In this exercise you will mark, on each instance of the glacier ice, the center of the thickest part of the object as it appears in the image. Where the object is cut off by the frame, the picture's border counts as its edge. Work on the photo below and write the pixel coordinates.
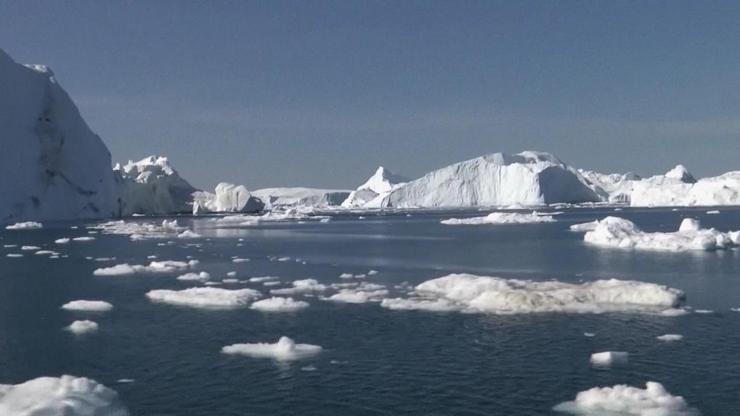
(205, 297)
(300, 197)
(624, 400)
(226, 198)
(373, 193)
(501, 218)
(285, 349)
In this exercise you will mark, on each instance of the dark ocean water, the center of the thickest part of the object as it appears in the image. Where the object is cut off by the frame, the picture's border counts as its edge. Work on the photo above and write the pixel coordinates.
(375, 361)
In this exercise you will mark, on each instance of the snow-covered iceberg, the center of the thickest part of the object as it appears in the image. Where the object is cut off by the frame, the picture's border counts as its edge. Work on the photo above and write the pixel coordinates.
(300, 197)
(499, 179)
(373, 193)
(495, 295)
(65, 395)
(284, 350)
(53, 166)
(623, 400)
(226, 198)
(501, 218)
(618, 232)
(152, 186)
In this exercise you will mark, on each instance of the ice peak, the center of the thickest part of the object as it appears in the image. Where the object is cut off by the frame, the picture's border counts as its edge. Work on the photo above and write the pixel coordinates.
(383, 180)
(681, 173)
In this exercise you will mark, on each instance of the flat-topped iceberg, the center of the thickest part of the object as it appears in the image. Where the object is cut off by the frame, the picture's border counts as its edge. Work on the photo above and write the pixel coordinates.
(623, 400)
(501, 218)
(284, 350)
(300, 197)
(65, 395)
(205, 297)
(499, 179)
(226, 198)
(53, 166)
(496, 295)
(622, 233)
(374, 192)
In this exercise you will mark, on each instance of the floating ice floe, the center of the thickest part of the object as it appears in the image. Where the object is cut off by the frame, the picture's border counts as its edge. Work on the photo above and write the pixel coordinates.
(239, 260)
(299, 287)
(83, 239)
(258, 279)
(46, 253)
(30, 248)
(189, 234)
(291, 214)
(609, 358)
(88, 306)
(713, 212)
(484, 294)
(284, 350)
(277, 304)
(82, 327)
(62, 240)
(623, 400)
(362, 293)
(137, 230)
(501, 218)
(205, 297)
(670, 337)
(192, 276)
(65, 395)
(621, 233)
(165, 266)
(14, 255)
(27, 225)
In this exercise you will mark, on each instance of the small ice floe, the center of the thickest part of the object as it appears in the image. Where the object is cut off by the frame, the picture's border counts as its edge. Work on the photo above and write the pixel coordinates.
(346, 276)
(46, 253)
(735, 309)
(670, 337)
(362, 293)
(230, 281)
(239, 260)
(14, 255)
(205, 297)
(258, 279)
(589, 334)
(372, 272)
(231, 274)
(653, 400)
(192, 276)
(83, 239)
(65, 395)
(64, 240)
(189, 234)
(104, 259)
(30, 248)
(82, 327)
(88, 306)
(713, 212)
(609, 358)
(284, 350)
(271, 283)
(585, 226)
(28, 225)
(10, 245)
(283, 259)
(620, 233)
(501, 218)
(155, 267)
(300, 287)
(703, 311)
(125, 380)
(278, 304)
(141, 230)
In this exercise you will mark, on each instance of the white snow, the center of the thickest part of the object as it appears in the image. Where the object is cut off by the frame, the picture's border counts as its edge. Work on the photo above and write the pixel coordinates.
(227, 198)
(284, 350)
(670, 337)
(60, 396)
(623, 400)
(165, 266)
(28, 225)
(54, 167)
(609, 358)
(82, 327)
(277, 304)
(501, 218)
(621, 233)
(300, 197)
(495, 295)
(300, 287)
(88, 305)
(527, 178)
(192, 276)
(205, 297)
(152, 186)
(374, 192)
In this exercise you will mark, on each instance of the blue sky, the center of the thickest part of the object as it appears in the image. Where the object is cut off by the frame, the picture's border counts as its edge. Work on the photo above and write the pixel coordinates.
(319, 93)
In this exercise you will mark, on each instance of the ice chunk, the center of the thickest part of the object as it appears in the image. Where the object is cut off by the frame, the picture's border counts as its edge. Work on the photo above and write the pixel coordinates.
(301, 286)
(300, 197)
(62, 241)
(202, 276)
(205, 297)
(501, 218)
(284, 350)
(82, 327)
(83, 239)
(227, 198)
(277, 304)
(165, 266)
(609, 358)
(27, 225)
(625, 400)
(189, 234)
(88, 305)
(142, 230)
(258, 279)
(65, 395)
(362, 293)
(374, 191)
(670, 337)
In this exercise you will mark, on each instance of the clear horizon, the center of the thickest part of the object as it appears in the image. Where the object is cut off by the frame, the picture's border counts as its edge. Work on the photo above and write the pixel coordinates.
(291, 94)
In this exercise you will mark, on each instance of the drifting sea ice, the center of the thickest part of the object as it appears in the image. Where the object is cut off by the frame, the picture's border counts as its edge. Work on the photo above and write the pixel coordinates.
(28, 225)
(501, 218)
(142, 230)
(300, 286)
(609, 358)
(88, 306)
(202, 276)
(82, 327)
(623, 400)
(484, 294)
(284, 350)
(165, 266)
(65, 395)
(277, 304)
(362, 293)
(205, 297)
(670, 337)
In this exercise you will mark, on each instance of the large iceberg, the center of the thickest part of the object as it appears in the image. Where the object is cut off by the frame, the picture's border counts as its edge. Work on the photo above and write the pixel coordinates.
(653, 400)
(152, 186)
(300, 197)
(622, 233)
(374, 192)
(53, 166)
(227, 198)
(65, 395)
(499, 179)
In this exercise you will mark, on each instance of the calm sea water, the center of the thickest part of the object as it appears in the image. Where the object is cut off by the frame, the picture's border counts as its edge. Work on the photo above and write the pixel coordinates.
(375, 361)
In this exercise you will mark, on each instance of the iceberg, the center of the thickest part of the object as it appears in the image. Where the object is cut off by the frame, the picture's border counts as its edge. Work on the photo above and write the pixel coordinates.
(54, 167)
(501, 218)
(205, 297)
(499, 179)
(284, 350)
(66, 395)
(373, 193)
(227, 198)
(300, 197)
(623, 400)
(496, 295)
(277, 304)
(152, 186)
(621, 233)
